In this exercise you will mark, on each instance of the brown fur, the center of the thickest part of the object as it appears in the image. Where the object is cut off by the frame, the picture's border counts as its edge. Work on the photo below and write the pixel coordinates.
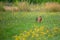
(39, 19)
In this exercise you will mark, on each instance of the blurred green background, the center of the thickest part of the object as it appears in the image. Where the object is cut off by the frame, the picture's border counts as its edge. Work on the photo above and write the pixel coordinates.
(17, 16)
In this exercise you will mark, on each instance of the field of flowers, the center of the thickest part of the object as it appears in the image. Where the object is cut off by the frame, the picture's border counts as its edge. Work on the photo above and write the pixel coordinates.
(23, 26)
(39, 33)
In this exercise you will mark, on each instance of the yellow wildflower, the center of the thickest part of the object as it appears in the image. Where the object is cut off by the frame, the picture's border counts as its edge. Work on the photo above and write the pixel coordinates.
(36, 29)
(26, 34)
(47, 30)
(30, 30)
(41, 28)
(16, 37)
(33, 34)
(23, 38)
(42, 33)
(37, 35)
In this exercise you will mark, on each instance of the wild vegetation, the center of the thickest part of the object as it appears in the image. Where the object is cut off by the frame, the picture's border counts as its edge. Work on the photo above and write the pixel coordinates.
(18, 20)
(13, 26)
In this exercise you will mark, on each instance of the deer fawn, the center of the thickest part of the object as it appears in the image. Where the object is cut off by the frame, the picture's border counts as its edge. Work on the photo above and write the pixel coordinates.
(39, 19)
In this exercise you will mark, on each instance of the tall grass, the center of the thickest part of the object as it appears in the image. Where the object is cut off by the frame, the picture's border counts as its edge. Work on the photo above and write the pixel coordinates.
(51, 6)
(25, 6)
(32, 1)
(1, 6)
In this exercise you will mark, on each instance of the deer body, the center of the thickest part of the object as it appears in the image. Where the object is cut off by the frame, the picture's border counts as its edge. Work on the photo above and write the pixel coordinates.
(39, 19)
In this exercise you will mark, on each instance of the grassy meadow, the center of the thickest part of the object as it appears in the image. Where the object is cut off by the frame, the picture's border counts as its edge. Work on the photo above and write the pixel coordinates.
(23, 26)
